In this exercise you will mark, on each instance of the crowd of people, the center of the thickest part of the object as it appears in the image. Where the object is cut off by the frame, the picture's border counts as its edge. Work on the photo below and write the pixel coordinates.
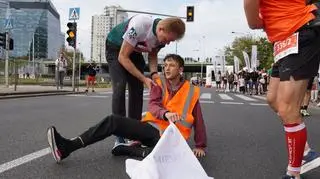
(245, 81)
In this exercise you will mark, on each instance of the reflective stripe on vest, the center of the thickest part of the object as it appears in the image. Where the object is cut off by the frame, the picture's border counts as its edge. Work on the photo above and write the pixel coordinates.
(186, 104)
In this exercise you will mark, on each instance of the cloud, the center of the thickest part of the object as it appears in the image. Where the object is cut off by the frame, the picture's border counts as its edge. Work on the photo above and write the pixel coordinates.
(210, 31)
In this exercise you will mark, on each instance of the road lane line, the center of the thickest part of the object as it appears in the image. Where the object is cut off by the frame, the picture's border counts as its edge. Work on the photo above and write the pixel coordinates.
(245, 97)
(258, 104)
(260, 97)
(206, 102)
(225, 97)
(205, 96)
(226, 102)
(25, 159)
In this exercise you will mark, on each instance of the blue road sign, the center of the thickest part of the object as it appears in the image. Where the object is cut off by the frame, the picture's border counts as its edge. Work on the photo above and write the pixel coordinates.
(8, 24)
(74, 13)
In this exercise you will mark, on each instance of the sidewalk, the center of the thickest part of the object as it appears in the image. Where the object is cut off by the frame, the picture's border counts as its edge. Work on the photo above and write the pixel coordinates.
(37, 90)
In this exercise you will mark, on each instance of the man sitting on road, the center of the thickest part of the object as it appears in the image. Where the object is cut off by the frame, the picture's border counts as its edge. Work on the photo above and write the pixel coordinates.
(173, 99)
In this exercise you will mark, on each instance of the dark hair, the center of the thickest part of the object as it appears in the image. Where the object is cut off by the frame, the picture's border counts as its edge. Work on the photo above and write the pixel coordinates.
(176, 58)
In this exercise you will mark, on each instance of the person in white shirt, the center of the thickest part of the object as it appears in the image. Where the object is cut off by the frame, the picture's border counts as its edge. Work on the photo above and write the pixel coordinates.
(61, 69)
(242, 84)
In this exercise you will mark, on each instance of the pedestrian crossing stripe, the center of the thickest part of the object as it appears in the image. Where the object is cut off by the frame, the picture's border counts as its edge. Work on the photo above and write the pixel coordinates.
(206, 102)
(245, 97)
(205, 98)
(225, 97)
(228, 102)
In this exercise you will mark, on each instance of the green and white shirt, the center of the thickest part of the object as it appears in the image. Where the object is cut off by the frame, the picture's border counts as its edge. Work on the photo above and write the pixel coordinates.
(139, 31)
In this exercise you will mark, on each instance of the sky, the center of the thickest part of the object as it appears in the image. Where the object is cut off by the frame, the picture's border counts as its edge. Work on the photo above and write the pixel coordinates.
(214, 22)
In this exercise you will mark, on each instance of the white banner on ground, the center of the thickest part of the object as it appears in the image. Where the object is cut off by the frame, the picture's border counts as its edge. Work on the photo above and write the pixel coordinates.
(171, 158)
(246, 59)
(254, 53)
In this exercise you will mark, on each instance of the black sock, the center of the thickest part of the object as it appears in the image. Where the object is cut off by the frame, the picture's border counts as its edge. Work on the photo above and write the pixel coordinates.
(306, 107)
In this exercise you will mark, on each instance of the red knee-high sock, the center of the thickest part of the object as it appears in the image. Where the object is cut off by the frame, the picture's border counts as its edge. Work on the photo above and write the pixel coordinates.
(296, 136)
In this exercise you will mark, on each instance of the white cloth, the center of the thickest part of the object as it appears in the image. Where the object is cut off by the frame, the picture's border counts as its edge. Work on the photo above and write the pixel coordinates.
(171, 158)
(140, 33)
(241, 82)
(61, 64)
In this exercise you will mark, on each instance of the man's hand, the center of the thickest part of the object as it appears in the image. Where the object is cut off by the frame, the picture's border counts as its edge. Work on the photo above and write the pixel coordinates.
(155, 76)
(173, 117)
(199, 152)
(149, 82)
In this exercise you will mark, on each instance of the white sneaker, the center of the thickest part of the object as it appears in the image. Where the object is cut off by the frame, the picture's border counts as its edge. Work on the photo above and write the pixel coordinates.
(318, 104)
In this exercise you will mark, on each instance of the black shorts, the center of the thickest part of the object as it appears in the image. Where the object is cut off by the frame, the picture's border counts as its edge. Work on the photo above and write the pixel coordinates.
(303, 65)
(310, 82)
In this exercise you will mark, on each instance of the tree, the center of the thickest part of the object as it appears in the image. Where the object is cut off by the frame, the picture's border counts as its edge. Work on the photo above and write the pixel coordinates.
(245, 43)
(68, 54)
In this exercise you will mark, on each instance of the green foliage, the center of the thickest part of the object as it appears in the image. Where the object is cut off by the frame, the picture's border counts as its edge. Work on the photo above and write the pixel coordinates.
(68, 54)
(245, 43)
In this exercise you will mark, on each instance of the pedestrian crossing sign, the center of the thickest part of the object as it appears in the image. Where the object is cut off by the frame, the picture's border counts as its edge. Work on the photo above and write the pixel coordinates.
(8, 24)
(74, 13)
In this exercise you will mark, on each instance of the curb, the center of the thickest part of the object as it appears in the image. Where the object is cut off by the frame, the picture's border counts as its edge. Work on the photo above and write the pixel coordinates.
(36, 94)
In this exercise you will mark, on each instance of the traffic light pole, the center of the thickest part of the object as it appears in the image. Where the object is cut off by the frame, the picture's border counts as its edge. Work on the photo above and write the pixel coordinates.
(6, 68)
(74, 64)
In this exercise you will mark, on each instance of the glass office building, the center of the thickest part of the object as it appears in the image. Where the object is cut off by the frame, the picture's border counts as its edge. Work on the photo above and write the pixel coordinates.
(33, 21)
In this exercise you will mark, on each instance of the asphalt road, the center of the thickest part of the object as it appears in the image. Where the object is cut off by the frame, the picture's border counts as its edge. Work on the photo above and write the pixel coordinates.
(245, 138)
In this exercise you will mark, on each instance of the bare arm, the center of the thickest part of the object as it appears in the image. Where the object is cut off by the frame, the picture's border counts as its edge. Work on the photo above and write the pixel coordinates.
(153, 60)
(124, 60)
(251, 8)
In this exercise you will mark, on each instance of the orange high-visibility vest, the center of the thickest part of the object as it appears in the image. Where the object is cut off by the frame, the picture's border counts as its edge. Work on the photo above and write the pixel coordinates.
(182, 103)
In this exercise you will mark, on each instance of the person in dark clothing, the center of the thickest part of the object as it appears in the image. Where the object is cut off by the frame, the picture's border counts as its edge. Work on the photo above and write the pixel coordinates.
(91, 78)
(149, 129)
(254, 77)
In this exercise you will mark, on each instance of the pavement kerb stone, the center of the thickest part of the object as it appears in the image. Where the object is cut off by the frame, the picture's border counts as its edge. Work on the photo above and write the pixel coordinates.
(36, 94)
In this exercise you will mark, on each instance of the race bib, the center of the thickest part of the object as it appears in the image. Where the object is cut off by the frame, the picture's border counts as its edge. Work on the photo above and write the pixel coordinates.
(286, 47)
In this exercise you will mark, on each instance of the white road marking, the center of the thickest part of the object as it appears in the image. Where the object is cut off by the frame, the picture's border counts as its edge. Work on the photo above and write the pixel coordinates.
(91, 96)
(106, 92)
(225, 97)
(22, 160)
(226, 102)
(258, 104)
(206, 102)
(245, 97)
(205, 96)
(96, 96)
(260, 97)
(27, 158)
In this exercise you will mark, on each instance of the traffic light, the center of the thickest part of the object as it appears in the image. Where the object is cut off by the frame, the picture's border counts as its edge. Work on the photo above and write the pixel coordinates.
(72, 34)
(3, 39)
(190, 13)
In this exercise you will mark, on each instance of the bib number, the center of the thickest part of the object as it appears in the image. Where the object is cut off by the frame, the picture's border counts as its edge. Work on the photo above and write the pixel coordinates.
(286, 47)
